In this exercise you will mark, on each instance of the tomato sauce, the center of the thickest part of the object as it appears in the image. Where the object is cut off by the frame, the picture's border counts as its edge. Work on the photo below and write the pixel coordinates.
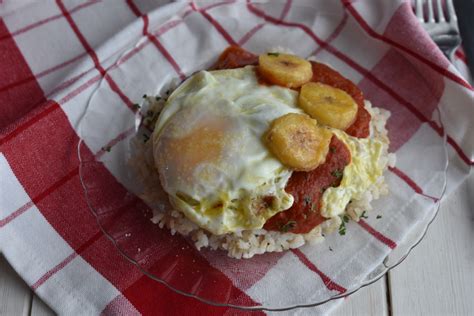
(235, 57)
(307, 188)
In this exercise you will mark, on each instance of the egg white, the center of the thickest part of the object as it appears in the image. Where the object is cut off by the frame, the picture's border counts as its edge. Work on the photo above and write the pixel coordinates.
(209, 152)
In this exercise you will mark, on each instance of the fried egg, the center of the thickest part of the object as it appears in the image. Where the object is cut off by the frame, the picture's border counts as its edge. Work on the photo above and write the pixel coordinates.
(208, 150)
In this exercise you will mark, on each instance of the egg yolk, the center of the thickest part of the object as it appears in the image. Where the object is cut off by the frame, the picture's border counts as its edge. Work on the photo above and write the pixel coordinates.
(203, 144)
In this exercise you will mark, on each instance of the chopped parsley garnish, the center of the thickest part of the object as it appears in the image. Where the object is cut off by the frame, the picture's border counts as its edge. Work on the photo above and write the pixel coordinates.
(337, 173)
(307, 200)
(378, 217)
(273, 54)
(167, 92)
(144, 96)
(363, 215)
(332, 149)
(288, 226)
(136, 106)
(157, 98)
(342, 227)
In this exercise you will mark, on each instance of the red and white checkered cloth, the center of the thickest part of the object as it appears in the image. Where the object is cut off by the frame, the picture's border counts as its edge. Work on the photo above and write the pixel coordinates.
(53, 56)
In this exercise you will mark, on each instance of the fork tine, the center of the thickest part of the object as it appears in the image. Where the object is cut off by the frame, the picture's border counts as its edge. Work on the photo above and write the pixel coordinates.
(430, 11)
(419, 10)
(451, 13)
(439, 7)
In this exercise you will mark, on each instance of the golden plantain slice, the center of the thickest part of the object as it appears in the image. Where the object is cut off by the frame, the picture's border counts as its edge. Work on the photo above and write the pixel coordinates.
(298, 142)
(330, 106)
(284, 70)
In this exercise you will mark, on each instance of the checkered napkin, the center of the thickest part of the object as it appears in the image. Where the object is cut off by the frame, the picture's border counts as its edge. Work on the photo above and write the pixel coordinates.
(58, 57)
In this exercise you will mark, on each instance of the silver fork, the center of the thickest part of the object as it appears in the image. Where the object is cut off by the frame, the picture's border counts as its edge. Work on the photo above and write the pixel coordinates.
(443, 29)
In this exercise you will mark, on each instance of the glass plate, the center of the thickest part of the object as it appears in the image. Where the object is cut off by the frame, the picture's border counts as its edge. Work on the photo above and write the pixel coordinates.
(211, 276)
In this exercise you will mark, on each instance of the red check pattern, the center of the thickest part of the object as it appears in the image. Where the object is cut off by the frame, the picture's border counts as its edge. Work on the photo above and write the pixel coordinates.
(38, 140)
(16, 99)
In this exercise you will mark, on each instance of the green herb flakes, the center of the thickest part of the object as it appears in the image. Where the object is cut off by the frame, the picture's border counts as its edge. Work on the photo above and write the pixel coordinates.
(332, 149)
(307, 200)
(273, 54)
(337, 173)
(342, 229)
(364, 215)
(378, 217)
(288, 226)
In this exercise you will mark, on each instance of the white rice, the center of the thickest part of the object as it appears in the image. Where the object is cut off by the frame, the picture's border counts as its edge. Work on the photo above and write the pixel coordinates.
(247, 243)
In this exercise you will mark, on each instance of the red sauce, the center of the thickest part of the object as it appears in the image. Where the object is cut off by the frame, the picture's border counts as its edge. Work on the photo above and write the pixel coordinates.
(235, 57)
(307, 189)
